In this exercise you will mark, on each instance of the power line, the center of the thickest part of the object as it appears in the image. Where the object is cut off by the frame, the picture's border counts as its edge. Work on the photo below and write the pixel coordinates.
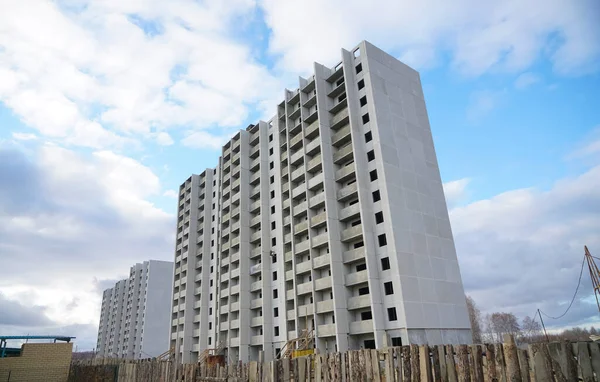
(574, 295)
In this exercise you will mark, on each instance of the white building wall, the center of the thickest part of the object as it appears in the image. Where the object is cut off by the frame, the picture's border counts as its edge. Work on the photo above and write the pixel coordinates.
(291, 236)
(134, 306)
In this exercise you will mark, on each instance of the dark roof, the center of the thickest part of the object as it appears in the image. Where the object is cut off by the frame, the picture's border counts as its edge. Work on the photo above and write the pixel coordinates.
(57, 338)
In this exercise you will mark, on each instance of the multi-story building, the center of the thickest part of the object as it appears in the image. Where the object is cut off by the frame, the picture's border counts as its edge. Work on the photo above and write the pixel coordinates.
(329, 218)
(134, 318)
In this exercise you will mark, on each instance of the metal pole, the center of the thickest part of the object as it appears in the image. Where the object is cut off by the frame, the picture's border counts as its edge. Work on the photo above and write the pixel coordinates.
(543, 326)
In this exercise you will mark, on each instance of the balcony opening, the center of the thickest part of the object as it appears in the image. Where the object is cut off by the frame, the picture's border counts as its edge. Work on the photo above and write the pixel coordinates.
(382, 240)
(363, 101)
(361, 84)
(385, 263)
(376, 196)
(389, 288)
(358, 68)
(392, 316)
(379, 217)
(369, 344)
(373, 175)
(371, 155)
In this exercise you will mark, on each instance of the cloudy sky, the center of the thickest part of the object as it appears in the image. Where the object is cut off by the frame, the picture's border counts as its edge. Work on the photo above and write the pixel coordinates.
(107, 106)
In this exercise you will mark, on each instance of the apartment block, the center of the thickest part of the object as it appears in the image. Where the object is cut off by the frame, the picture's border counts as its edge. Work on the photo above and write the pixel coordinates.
(328, 219)
(134, 318)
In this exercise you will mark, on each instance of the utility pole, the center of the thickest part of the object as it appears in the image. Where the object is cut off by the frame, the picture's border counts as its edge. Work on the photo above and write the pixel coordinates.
(594, 274)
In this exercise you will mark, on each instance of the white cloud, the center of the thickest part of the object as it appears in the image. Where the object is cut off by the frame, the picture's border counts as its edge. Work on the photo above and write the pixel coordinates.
(202, 139)
(24, 136)
(75, 219)
(479, 36)
(171, 194)
(455, 191)
(105, 73)
(526, 79)
(164, 139)
(522, 250)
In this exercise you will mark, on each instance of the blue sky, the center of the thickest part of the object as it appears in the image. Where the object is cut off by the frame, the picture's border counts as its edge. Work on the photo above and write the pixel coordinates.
(108, 107)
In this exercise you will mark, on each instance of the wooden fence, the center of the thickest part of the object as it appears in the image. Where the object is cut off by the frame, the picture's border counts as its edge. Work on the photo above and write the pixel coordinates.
(449, 363)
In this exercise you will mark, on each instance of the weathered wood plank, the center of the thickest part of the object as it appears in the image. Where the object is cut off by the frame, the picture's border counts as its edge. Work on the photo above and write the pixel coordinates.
(389, 365)
(318, 368)
(511, 357)
(450, 364)
(585, 363)
(286, 369)
(500, 362)
(375, 366)
(424, 363)
(355, 366)
(542, 363)
(441, 350)
(477, 364)
(524, 365)
(490, 360)
(415, 364)
(253, 371)
(464, 370)
(345, 372)
(398, 364)
(595, 357)
(301, 369)
(435, 364)
(406, 367)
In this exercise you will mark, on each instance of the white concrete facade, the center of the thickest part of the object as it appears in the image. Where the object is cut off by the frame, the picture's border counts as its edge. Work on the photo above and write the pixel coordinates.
(330, 216)
(134, 318)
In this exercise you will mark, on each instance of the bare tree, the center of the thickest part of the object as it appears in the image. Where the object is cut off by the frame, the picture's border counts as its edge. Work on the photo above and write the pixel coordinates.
(501, 323)
(475, 317)
(530, 329)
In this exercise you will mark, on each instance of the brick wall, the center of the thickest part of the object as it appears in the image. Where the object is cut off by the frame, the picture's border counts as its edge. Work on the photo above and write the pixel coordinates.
(48, 362)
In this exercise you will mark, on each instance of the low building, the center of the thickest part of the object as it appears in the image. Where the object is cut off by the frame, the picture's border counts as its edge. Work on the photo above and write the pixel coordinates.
(43, 362)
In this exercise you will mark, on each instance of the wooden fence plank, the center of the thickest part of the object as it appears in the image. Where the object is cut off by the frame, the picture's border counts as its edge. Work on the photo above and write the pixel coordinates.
(513, 370)
(415, 364)
(367, 364)
(389, 365)
(524, 365)
(345, 372)
(301, 369)
(318, 367)
(595, 356)
(406, 369)
(286, 370)
(435, 364)
(253, 372)
(477, 366)
(450, 364)
(490, 360)
(398, 364)
(542, 364)
(441, 350)
(355, 366)
(375, 366)
(585, 363)
(464, 370)
(500, 362)
(424, 363)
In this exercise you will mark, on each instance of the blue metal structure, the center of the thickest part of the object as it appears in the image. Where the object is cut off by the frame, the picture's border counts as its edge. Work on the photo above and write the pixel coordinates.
(3, 340)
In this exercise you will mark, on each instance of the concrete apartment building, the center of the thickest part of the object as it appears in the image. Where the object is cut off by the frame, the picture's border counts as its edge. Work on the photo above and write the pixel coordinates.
(134, 318)
(330, 217)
